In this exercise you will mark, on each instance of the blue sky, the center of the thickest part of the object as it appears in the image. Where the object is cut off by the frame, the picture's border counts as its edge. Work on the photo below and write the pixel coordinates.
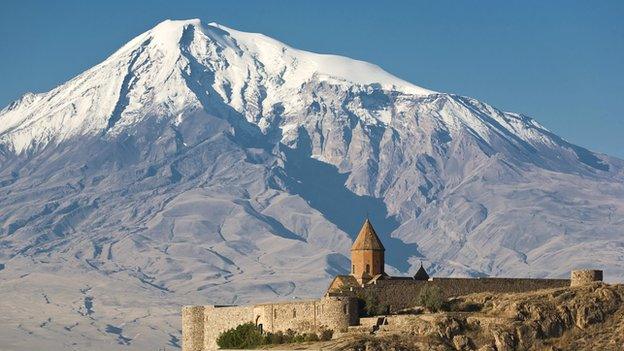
(561, 62)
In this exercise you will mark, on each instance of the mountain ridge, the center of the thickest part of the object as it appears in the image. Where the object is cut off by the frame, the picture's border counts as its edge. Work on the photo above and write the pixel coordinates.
(204, 167)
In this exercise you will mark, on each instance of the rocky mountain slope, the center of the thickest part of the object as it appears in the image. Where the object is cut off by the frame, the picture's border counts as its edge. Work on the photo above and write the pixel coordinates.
(200, 164)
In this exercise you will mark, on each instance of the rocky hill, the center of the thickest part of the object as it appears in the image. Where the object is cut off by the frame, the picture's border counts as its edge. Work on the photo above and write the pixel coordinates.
(581, 318)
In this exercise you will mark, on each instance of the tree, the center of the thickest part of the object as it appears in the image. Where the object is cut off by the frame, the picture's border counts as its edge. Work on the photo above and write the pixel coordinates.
(430, 297)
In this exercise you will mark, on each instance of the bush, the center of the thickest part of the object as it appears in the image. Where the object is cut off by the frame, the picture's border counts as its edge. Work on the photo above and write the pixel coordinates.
(274, 338)
(247, 336)
(369, 304)
(244, 336)
(310, 337)
(289, 336)
(431, 298)
(326, 334)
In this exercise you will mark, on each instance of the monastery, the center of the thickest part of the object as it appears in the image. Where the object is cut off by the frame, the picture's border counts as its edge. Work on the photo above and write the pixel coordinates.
(339, 308)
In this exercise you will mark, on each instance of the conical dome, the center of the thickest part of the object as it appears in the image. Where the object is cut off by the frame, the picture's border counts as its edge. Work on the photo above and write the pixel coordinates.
(421, 274)
(367, 239)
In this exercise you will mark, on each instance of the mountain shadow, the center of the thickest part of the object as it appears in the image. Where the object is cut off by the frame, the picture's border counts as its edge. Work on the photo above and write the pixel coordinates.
(323, 187)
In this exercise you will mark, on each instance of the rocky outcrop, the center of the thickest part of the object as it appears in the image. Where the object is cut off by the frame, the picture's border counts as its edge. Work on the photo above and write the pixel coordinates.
(589, 317)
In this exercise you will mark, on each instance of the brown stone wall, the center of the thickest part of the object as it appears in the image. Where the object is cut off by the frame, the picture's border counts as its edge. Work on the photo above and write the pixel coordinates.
(201, 325)
(301, 316)
(373, 258)
(219, 319)
(403, 293)
(192, 328)
(587, 276)
(338, 313)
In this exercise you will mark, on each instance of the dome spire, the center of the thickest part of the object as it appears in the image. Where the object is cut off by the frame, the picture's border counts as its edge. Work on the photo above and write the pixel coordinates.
(367, 238)
(421, 274)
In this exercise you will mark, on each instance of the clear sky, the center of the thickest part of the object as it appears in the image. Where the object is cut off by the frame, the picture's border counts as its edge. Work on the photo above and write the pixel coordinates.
(561, 62)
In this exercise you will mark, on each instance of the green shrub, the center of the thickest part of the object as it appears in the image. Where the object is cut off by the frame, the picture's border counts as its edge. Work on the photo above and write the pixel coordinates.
(326, 334)
(310, 337)
(244, 336)
(274, 338)
(431, 298)
(369, 304)
(289, 336)
(248, 336)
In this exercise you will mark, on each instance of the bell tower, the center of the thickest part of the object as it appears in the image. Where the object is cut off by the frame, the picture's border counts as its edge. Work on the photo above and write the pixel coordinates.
(367, 254)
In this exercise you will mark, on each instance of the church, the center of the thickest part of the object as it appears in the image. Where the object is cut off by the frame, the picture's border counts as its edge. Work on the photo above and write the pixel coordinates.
(341, 305)
(367, 263)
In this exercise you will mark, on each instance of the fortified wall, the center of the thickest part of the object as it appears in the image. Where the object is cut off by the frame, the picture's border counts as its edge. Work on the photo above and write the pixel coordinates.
(201, 325)
(398, 293)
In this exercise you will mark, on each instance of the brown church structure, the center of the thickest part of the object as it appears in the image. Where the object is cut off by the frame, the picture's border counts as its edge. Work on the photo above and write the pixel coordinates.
(367, 255)
(396, 293)
(340, 307)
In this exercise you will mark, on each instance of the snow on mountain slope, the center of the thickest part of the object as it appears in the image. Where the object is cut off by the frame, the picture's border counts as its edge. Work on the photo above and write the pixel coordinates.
(199, 164)
(152, 69)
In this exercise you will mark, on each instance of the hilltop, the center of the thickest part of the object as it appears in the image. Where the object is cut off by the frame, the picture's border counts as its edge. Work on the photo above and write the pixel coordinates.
(579, 318)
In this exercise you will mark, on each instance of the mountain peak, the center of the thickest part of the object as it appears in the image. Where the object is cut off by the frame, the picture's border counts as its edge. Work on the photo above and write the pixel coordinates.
(198, 161)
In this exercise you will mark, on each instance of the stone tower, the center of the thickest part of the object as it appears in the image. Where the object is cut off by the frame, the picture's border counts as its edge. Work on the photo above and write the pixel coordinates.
(367, 254)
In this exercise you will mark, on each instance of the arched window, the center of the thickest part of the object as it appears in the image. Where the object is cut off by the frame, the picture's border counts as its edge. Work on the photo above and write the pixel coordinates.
(367, 268)
(294, 313)
(353, 269)
(344, 309)
(274, 314)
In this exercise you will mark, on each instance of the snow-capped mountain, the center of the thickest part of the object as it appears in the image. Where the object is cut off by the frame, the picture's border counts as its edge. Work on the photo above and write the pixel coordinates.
(200, 164)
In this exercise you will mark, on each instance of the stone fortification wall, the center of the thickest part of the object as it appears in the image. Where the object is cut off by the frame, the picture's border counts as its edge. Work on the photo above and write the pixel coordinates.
(338, 313)
(302, 316)
(193, 328)
(219, 319)
(587, 276)
(403, 293)
(201, 325)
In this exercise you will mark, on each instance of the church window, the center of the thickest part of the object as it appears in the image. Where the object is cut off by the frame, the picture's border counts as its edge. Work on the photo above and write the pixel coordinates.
(367, 268)
(344, 309)
(275, 314)
(294, 313)
(353, 269)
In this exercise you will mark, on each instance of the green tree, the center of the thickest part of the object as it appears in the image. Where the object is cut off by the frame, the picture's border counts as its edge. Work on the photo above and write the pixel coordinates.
(430, 297)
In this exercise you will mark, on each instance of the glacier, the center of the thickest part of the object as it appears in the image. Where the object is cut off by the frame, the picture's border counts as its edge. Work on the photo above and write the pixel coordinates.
(200, 164)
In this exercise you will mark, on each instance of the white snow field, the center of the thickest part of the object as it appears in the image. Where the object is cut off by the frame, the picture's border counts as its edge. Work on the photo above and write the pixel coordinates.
(200, 164)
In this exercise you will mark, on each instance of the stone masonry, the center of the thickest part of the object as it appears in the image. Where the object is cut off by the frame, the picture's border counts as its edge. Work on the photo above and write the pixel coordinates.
(202, 325)
(587, 276)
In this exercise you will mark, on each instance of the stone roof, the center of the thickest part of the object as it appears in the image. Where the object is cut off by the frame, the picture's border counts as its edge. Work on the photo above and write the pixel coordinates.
(367, 239)
(342, 282)
(421, 274)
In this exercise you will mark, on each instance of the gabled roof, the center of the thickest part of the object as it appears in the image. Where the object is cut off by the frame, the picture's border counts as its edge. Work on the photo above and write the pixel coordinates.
(421, 274)
(367, 239)
(342, 282)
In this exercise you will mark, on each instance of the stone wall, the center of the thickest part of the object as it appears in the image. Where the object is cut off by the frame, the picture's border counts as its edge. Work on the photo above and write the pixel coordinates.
(193, 328)
(403, 293)
(302, 316)
(338, 313)
(202, 325)
(219, 319)
(587, 276)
